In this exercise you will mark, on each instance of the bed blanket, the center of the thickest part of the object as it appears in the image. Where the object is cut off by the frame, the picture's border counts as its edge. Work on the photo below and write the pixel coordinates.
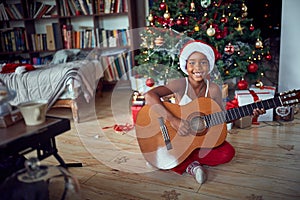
(49, 81)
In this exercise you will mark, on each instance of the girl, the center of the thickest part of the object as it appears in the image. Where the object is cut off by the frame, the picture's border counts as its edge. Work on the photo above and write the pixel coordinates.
(197, 60)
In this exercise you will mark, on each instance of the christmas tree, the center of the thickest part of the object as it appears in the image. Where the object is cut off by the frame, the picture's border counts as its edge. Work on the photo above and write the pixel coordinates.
(222, 23)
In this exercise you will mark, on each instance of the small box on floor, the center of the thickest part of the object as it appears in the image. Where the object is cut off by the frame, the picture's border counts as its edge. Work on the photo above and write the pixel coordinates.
(10, 118)
(243, 122)
(284, 113)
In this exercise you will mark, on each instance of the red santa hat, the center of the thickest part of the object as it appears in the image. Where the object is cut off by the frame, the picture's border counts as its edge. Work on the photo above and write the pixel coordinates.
(197, 46)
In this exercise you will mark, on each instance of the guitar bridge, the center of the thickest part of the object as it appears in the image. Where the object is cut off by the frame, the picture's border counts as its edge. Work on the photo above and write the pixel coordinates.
(165, 133)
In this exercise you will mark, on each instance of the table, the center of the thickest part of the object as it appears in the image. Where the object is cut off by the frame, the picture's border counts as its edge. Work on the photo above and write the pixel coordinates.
(21, 139)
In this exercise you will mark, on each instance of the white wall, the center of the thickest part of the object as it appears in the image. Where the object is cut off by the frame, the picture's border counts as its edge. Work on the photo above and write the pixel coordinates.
(289, 65)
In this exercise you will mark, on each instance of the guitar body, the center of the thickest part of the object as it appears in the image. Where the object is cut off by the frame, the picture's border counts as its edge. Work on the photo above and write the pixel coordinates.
(153, 145)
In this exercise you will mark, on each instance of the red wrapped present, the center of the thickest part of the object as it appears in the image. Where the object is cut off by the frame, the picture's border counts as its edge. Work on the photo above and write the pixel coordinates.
(134, 110)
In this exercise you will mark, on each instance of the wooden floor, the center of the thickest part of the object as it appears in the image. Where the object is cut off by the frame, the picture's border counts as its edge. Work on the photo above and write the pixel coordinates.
(266, 165)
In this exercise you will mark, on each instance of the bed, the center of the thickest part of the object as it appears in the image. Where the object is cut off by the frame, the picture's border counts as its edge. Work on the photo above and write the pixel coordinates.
(62, 82)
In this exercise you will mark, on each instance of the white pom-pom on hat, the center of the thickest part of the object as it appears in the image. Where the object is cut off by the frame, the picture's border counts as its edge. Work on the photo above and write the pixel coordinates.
(197, 46)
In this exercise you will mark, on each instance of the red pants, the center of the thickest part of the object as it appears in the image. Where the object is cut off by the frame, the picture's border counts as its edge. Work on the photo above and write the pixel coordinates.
(212, 157)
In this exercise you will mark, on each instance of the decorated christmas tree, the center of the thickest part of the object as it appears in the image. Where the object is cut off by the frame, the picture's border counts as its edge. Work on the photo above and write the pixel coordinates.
(221, 23)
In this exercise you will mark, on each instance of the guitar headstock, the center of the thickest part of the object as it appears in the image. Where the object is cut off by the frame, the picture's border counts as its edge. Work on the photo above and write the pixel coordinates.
(290, 97)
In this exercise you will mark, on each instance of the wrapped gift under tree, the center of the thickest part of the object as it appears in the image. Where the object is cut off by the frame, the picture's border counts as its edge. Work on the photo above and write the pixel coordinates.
(252, 95)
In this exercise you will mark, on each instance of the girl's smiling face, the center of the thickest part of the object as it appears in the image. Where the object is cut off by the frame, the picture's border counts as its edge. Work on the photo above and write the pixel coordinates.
(197, 66)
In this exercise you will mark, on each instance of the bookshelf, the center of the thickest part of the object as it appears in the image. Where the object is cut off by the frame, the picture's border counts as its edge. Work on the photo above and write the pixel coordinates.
(31, 29)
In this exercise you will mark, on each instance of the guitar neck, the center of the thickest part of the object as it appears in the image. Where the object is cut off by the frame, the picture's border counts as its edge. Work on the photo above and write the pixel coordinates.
(242, 111)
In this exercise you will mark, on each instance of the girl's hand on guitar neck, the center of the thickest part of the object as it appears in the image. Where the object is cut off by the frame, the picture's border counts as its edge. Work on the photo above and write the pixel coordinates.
(257, 112)
(182, 126)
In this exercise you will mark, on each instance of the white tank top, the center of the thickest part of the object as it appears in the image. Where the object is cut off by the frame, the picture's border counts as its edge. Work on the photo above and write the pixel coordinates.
(185, 98)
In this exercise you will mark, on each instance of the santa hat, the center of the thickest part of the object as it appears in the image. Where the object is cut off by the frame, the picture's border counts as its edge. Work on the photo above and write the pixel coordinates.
(197, 46)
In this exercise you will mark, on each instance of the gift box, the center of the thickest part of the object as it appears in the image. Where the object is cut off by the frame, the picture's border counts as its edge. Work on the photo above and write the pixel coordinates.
(243, 122)
(252, 95)
(10, 118)
(269, 89)
(224, 91)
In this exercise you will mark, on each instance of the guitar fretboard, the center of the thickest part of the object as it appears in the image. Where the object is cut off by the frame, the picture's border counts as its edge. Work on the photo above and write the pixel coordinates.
(242, 111)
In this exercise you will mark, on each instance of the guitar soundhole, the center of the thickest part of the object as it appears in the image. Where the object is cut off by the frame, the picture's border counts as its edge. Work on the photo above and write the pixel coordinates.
(197, 124)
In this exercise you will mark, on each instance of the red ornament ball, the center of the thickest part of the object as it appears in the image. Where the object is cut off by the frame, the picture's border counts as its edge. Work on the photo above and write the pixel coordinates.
(162, 6)
(179, 21)
(242, 84)
(150, 82)
(219, 35)
(224, 19)
(252, 67)
(251, 28)
(185, 21)
(268, 57)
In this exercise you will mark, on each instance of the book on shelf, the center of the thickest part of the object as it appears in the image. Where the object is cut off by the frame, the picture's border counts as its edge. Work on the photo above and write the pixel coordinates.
(64, 35)
(50, 38)
(36, 9)
(111, 6)
(58, 40)
(116, 67)
(42, 12)
(39, 41)
(112, 38)
(72, 7)
(84, 7)
(99, 5)
(3, 14)
(13, 39)
(107, 4)
(17, 9)
(9, 13)
(42, 60)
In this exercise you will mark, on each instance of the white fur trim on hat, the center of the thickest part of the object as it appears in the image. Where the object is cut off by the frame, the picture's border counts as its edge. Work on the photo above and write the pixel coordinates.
(196, 47)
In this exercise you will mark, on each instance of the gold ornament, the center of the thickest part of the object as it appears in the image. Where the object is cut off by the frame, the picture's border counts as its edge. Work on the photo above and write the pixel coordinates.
(258, 44)
(239, 28)
(211, 31)
(167, 14)
(150, 17)
(244, 14)
(193, 7)
(259, 84)
(244, 7)
(196, 28)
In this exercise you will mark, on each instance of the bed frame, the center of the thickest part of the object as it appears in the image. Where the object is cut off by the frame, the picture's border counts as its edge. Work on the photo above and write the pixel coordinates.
(68, 103)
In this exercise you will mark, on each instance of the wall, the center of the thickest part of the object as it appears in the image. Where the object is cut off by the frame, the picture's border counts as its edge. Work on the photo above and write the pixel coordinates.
(289, 73)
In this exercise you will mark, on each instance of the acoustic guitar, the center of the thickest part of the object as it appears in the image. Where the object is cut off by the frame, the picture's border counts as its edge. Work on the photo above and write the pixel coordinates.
(163, 148)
